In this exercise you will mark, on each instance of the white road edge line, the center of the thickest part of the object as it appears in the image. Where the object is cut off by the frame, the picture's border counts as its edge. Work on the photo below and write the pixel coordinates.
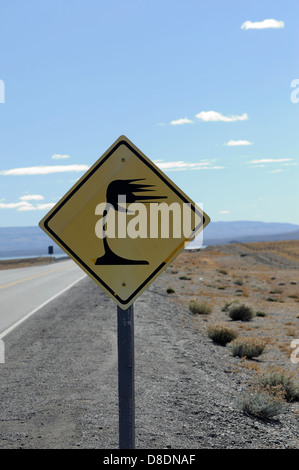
(19, 322)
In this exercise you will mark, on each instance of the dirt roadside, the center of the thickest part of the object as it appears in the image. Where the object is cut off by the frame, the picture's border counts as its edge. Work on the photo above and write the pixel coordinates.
(24, 262)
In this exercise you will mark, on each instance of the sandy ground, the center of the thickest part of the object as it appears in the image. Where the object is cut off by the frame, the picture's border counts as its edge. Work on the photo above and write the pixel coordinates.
(250, 273)
(24, 263)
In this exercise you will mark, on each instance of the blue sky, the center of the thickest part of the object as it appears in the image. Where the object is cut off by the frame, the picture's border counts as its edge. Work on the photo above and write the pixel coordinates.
(201, 87)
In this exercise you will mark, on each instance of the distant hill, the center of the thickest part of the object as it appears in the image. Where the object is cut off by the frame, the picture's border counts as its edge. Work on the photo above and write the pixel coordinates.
(25, 241)
(218, 233)
(32, 241)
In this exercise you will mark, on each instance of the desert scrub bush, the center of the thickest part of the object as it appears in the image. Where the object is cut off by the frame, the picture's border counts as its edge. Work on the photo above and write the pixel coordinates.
(221, 334)
(185, 278)
(222, 271)
(262, 405)
(228, 304)
(170, 290)
(200, 308)
(280, 379)
(260, 313)
(276, 291)
(238, 311)
(247, 347)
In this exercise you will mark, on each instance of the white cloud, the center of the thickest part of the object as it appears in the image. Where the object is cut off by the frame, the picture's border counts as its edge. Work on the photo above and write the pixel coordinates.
(224, 212)
(14, 205)
(32, 197)
(270, 160)
(44, 170)
(183, 166)
(46, 206)
(57, 156)
(38, 207)
(25, 206)
(235, 143)
(181, 121)
(30, 207)
(265, 24)
(214, 116)
(276, 171)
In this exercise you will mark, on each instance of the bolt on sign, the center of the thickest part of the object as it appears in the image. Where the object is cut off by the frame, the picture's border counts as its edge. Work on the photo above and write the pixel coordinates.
(124, 222)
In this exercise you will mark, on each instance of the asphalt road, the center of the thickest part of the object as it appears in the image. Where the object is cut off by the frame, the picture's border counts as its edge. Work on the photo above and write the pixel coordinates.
(24, 290)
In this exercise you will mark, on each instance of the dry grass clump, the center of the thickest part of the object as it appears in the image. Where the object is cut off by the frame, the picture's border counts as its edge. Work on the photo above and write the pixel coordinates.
(247, 347)
(200, 308)
(228, 304)
(170, 290)
(276, 291)
(262, 405)
(269, 393)
(260, 313)
(239, 311)
(221, 334)
(282, 379)
(222, 271)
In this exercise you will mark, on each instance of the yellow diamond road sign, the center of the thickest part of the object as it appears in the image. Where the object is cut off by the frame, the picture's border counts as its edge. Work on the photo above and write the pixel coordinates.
(124, 222)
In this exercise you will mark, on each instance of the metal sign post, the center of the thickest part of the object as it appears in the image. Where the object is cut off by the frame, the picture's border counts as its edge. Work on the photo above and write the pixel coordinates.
(126, 389)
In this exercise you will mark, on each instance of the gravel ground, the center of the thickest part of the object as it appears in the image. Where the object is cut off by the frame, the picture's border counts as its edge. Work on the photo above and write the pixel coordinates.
(59, 383)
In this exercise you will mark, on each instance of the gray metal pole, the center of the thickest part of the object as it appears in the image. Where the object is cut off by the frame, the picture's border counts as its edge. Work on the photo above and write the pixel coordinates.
(126, 389)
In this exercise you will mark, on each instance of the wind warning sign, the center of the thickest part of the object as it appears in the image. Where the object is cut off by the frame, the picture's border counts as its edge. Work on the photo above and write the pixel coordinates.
(124, 222)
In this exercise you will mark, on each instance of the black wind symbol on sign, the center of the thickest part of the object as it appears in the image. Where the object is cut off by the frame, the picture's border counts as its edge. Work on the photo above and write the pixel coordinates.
(127, 189)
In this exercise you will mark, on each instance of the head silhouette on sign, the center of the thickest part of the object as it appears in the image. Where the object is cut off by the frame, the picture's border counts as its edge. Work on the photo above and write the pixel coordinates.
(117, 190)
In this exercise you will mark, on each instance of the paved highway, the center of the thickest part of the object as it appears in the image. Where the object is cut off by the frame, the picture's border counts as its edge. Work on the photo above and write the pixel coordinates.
(24, 290)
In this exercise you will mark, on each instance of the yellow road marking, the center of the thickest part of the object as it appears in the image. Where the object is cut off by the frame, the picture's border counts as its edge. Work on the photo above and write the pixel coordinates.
(29, 278)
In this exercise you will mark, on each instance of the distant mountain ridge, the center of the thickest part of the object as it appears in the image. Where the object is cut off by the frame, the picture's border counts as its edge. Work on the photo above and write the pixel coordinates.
(25, 241)
(248, 231)
(32, 241)
(221, 233)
